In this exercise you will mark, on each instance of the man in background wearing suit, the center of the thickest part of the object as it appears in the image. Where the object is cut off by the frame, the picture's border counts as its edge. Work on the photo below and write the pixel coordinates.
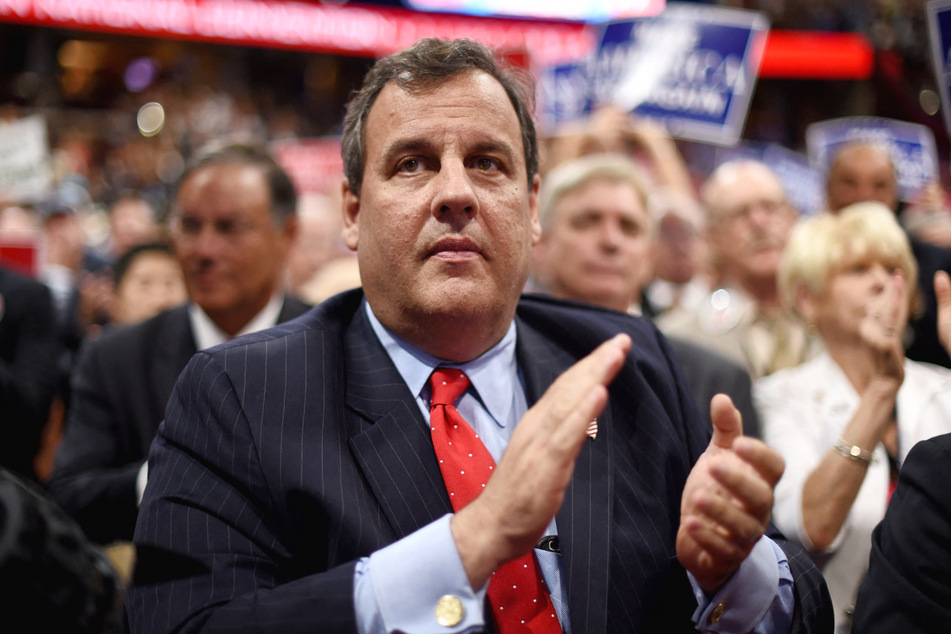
(747, 225)
(232, 221)
(597, 246)
(28, 353)
(303, 481)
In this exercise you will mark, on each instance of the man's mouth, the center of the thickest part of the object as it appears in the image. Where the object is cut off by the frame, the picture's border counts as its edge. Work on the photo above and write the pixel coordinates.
(455, 249)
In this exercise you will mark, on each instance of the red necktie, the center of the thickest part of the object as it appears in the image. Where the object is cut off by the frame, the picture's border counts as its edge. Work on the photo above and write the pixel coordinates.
(517, 594)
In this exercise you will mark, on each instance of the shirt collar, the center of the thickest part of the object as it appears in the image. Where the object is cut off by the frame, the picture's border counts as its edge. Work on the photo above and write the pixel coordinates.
(493, 374)
(208, 334)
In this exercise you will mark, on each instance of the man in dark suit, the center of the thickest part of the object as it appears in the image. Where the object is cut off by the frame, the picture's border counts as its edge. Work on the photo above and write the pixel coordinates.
(908, 584)
(232, 222)
(295, 481)
(28, 353)
(597, 245)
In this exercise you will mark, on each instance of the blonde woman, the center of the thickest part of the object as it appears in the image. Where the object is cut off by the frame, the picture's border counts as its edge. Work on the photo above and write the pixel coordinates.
(845, 420)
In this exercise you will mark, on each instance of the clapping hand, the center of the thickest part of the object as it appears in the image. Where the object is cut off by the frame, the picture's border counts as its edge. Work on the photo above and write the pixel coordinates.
(942, 290)
(727, 499)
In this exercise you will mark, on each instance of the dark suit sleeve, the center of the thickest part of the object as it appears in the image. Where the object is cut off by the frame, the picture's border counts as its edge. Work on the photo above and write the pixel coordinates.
(209, 503)
(91, 479)
(908, 584)
(27, 369)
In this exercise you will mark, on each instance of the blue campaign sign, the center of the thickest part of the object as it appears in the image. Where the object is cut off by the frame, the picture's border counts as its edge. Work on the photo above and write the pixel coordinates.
(803, 183)
(693, 67)
(939, 23)
(910, 145)
(563, 96)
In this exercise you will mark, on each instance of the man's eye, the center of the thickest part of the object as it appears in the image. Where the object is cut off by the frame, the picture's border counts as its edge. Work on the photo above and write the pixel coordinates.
(409, 165)
(189, 225)
(485, 164)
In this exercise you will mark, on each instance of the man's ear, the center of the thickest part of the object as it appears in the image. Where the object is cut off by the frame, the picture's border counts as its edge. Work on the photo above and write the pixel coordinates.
(351, 216)
(533, 208)
(290, 230)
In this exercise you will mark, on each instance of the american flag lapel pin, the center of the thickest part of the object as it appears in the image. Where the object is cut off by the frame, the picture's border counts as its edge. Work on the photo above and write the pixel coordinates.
(592, 430)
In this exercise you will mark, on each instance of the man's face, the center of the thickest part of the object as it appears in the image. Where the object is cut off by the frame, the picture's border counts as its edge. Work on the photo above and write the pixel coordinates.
(862, 174)
(231, 251)
(678, 250)
(598, 248)
(445, 220)
(749, 228)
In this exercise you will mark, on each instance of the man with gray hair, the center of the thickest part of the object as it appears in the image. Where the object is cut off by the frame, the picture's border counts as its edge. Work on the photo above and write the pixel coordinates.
(748, 223)
(434, 454)
(597, 245)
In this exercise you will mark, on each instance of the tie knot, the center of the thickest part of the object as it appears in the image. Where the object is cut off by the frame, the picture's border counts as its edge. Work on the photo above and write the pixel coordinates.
(447, 385)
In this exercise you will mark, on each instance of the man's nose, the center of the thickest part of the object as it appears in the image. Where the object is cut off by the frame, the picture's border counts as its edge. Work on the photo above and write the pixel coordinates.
(454, 191)
(611, 236)
(760, 215)
(206, 242)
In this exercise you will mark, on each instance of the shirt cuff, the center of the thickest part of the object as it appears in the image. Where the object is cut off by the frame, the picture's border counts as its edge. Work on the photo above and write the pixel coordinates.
(418, 584)
(759, 592)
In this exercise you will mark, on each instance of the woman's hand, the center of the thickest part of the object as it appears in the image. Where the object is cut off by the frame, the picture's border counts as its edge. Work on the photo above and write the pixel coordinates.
(942, 290)
(881, 331)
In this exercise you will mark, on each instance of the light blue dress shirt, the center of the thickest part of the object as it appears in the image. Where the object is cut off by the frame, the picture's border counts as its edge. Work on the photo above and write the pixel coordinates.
(424, 566)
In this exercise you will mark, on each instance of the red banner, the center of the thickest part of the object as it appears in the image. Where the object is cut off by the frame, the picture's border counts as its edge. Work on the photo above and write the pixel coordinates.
(314, 165)
(348, 30)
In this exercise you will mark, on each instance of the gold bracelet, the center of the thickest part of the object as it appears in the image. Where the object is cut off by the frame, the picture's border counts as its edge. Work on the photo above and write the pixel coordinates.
(854, 452)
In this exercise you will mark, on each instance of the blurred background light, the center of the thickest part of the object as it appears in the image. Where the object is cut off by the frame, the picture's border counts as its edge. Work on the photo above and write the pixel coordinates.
(150, 119)
(140, 73)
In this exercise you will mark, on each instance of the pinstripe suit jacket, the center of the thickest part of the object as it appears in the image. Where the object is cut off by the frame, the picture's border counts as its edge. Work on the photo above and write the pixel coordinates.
(287, 455)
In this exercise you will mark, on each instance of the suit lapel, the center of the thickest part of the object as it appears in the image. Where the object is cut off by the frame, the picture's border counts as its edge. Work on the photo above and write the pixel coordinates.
(391, 442)
(585, 519)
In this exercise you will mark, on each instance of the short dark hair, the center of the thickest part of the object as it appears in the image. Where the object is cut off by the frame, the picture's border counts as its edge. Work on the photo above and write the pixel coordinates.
(280, 186)
(124, 261)
(425, 66)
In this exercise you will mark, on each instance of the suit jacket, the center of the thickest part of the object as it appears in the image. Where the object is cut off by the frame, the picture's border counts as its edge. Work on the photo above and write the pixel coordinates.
(729, 322)
(119, 392)
(287, 455)
(908, 584)
(28, 353)
(709, 373)
(925, 345)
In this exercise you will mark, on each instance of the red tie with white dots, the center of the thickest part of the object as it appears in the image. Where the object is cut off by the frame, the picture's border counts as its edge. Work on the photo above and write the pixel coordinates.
(517, 594)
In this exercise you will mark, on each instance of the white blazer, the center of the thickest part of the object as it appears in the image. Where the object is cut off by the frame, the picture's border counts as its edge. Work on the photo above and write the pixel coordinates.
(803, 410)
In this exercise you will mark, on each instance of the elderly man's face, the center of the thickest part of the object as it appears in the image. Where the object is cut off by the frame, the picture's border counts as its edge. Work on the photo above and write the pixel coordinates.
(750, 226)
(862, 174)
(231, 250)
(598, 248)
(446, 219)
